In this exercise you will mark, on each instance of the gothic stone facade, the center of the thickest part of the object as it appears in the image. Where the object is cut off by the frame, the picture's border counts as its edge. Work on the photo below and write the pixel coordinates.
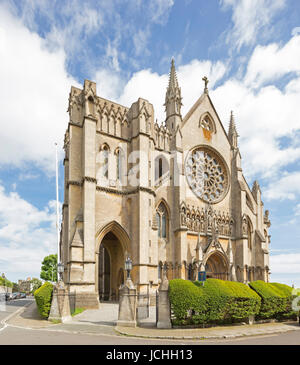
(170, 195)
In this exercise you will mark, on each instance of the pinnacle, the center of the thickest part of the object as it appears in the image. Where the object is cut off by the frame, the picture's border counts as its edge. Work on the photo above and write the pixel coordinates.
(232, 127)
(173, 82)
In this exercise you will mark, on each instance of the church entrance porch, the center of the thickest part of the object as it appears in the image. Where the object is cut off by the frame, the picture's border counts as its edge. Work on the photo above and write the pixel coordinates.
(110, 268)
(216, 267)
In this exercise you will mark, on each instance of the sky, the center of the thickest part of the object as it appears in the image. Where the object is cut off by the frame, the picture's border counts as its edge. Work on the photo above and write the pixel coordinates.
(248, 49)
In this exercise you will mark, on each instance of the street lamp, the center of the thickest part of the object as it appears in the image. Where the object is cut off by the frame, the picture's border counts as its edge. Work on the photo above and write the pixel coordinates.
(60, 270)
(128, 266)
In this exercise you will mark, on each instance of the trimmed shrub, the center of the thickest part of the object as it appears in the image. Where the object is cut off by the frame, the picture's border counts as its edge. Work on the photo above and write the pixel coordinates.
(218, 301)
(43, 298)
(188, 303)
(229, 301)
(276, 300)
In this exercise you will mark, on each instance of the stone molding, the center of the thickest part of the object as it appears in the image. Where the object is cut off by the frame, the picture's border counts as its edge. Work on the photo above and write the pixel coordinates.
(80, 262)
(89, 179)
(74, 182)
(81, 283)
(125, 192)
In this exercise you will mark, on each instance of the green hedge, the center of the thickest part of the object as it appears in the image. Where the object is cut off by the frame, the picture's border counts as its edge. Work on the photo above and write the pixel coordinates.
(276, 300)
(43, 298)
(218, 301)
(188, 303)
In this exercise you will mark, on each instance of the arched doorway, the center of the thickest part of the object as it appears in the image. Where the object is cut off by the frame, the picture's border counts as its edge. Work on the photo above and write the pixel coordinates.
(110, 267)
(216, 267)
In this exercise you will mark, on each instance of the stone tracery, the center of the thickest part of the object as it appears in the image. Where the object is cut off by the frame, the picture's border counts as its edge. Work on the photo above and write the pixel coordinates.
(206, 175)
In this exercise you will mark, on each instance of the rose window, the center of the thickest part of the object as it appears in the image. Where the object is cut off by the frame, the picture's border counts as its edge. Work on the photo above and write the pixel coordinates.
(206, 175)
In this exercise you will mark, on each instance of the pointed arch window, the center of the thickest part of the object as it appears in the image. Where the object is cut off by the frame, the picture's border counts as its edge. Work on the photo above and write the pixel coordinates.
(249, 233)
(162, 221)
(160, 168)
(90, 105)
(119, 164)
(159, 270)
(206, 124)
(190, 272)
(104, 161)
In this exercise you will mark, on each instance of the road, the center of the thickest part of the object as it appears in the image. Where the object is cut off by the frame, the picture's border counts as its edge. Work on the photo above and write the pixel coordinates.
(8, 308)
(20, 336)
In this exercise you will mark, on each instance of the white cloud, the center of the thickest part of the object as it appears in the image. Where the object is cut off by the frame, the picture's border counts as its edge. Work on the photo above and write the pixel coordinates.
(263, 117)
(67, 21)
(27, 176)
(287, 187)
(285, 263)
(152, 86)
(140, 40)
(250, 18)
(271, 62)
(27, 235)
(297, 209)
(159, 10)
(35, 88)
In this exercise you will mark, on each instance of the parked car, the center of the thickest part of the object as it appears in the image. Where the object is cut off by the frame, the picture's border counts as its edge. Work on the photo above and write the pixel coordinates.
(15, 295)
(22, 295)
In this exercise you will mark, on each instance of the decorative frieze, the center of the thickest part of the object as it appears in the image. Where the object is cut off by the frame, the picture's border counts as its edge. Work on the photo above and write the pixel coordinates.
(203, 220)
(74, 182)
(125, 192)
(89, 179)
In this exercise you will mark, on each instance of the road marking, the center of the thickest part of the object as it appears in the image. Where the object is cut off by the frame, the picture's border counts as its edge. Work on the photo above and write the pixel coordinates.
(3, 322)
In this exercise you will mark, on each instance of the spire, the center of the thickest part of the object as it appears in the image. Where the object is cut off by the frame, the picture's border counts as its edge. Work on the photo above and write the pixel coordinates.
(173, 109)
(173, 82)
(173, 94)
(232, 132)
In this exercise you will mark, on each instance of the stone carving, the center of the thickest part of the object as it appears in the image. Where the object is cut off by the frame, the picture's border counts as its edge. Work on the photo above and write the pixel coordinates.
(206, 175)
(204, 220)
(66, 144)
(244, 225)
(206, 81)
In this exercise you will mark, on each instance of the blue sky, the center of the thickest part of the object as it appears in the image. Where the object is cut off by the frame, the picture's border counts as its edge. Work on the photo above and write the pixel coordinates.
(249, 49)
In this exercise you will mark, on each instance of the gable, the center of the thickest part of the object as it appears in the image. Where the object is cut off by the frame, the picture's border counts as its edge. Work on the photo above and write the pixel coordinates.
(202, 126)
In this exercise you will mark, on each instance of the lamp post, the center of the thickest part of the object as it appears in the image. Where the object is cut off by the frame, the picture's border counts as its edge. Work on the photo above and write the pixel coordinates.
(60, 270)
(165, 269)
(128, 267)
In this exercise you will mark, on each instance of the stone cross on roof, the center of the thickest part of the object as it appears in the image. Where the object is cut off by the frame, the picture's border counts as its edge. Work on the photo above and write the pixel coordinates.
(206, 81)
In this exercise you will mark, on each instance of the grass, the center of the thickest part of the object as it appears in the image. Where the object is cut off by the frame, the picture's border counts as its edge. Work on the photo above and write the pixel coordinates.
(77, 311)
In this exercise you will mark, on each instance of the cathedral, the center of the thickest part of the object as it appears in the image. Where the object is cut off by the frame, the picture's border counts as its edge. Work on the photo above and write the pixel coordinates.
(169, 196)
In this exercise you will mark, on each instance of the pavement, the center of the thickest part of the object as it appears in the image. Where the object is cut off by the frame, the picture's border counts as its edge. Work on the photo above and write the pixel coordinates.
(103, 322)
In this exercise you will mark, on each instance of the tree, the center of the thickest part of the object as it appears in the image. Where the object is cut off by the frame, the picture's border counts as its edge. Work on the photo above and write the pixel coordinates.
(15, 287)
(36, 283)
(49, 268)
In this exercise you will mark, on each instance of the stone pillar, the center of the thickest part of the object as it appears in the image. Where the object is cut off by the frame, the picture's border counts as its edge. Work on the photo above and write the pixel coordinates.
(60, 306)
(127, 305)
(164, 310)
